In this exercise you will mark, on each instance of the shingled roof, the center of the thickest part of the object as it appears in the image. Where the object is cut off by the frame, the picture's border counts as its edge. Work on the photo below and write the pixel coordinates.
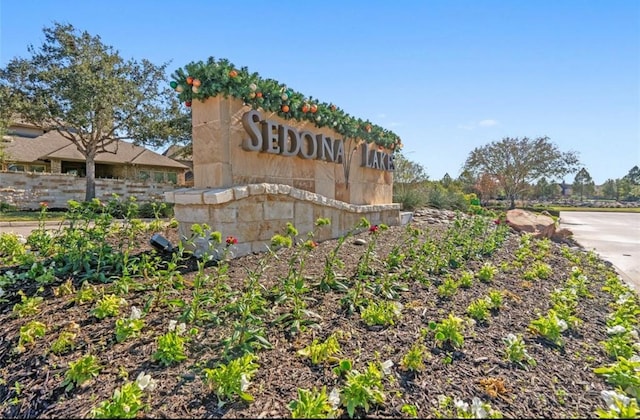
(52, 145)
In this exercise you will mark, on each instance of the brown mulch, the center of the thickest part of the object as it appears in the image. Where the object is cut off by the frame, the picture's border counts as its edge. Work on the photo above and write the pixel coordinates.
(561, 385)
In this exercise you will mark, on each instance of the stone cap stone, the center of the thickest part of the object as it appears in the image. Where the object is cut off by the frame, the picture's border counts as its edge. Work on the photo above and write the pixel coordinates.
(202, 196)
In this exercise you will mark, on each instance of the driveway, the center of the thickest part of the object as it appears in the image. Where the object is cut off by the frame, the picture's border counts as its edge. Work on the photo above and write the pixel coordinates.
(615, 237)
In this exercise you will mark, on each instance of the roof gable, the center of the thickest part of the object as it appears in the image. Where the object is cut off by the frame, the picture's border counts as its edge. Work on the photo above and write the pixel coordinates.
(53, 145)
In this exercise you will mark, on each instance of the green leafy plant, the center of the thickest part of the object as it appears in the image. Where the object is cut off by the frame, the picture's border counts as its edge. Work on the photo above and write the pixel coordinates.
(312, 404)
(81, 370)
(29, 332)
(171, 345)
(619, 343)
(129, 327)
(380, 313)
(344, 366)
(449, 330)
(28, 305)
(414, 359)
(363, 389)
(66, 339)
(487, 272)
(479, 310)
(12, 248)
(495, 300)
(538, 270)
(619, 406)
(294, 285)
(109, 305)
(232, 379)
(126, 401)
(410, 410)
(623, 374)
(86, 294)
(550, 327)
(466, 279)
(515, 350)
(320, 352)
(448, 288)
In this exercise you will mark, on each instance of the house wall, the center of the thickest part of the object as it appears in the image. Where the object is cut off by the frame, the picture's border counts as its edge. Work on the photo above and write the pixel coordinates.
(116, 171)
(27, 190)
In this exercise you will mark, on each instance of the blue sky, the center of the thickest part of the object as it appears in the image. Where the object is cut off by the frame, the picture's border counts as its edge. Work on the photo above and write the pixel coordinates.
(445, 75)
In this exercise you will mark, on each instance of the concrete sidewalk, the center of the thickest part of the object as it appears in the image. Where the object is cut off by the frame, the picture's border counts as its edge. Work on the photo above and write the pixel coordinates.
(615, 237)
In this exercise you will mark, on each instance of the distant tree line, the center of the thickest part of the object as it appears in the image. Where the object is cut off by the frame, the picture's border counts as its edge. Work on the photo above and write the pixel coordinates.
(511, 169)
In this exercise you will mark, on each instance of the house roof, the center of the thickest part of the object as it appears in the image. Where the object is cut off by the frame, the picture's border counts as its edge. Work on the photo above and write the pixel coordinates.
(179, 152)
(52, 145)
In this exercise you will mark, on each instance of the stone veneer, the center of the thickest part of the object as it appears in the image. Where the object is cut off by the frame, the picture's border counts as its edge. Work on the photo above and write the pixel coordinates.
(253, 213)
(219, 160)
(26, 190)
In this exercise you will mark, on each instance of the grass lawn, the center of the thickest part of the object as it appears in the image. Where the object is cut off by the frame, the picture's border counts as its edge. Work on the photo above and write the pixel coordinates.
(597, 209)
(22, 216)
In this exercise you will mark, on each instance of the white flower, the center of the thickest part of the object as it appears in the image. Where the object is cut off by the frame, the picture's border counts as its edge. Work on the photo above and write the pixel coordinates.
(510, 338)
(610, 398)
(145, 382)
(181, 328)
(634, 334)
(397, 308)
(244, 382)
(135, 313)
(386, 367)
(172, 325)
(616, 329)
(334, 398)
(477, 409)
(623, 298)
(461, 405)
(562, 324)
(126, 408)
(636, 346)
(21, 239)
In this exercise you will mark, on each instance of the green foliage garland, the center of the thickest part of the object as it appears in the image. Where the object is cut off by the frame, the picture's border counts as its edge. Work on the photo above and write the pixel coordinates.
(200, 80)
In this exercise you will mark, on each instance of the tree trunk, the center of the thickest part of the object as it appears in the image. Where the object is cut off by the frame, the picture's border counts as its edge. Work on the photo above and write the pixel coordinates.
(513, 202)
(91, 179)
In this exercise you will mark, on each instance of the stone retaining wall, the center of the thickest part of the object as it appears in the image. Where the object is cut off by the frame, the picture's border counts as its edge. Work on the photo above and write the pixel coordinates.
(253, 213)
(27, 190)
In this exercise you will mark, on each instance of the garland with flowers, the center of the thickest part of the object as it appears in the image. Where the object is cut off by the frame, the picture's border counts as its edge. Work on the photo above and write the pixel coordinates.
(200, 80)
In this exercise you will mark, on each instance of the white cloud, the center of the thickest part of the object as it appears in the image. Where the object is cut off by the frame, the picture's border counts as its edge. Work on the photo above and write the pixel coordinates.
(487, 123)
(473, 125)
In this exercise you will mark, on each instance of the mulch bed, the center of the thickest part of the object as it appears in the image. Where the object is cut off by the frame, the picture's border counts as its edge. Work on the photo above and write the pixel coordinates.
(561, 385)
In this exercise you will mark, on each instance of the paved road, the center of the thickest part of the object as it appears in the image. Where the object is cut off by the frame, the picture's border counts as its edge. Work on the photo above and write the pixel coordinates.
(615, 237)
(25, 228)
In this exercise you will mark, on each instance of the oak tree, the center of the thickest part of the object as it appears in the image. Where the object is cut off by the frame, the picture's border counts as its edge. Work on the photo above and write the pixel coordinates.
(518, 162)
(89, 94)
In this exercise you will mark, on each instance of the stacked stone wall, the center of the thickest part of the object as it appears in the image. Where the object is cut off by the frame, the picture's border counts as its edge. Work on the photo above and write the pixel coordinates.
(254, 213)
(27, 190)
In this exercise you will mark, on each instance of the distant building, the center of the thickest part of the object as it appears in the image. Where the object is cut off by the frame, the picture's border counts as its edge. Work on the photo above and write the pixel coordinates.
(26, 148)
